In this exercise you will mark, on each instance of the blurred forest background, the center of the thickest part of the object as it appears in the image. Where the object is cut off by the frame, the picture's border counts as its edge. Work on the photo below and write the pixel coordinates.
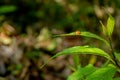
(26, 35)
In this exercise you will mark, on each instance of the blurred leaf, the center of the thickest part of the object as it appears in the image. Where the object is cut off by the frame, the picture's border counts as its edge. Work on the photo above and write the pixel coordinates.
(93, 59)
(18, 66)
(106, 73)
(2, 78)
(32, 54)
(117, 55)
(7, 9)
(15, 69)
(81, 73)
(110, 25)
(116, 79)
(83, 50)
(103, 28)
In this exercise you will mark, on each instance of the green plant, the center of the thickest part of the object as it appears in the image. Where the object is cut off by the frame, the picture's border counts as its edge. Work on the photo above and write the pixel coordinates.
(89, 72)
(7, 9)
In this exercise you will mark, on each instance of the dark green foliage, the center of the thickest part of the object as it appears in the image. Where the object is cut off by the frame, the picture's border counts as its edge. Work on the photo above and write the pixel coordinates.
(89, 72)
(7, 9)
(82, 73)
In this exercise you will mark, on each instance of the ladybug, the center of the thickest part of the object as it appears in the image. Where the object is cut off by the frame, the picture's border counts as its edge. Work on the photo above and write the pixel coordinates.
(77, 32)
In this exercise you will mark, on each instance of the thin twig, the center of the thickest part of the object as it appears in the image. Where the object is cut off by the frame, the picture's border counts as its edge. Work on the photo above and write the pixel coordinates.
(112, 51)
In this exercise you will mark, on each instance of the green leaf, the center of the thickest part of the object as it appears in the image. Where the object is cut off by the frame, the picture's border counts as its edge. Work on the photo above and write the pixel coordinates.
(106, 73)
(110, 25)
(91, 73)
(81, 73)
(85, 34)
(88, 34)
(7, 9)
(116, 79)
(83, 50)
(104, 30)
(117, 55)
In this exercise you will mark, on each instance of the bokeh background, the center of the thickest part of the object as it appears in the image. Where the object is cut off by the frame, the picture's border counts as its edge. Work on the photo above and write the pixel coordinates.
(26, 35)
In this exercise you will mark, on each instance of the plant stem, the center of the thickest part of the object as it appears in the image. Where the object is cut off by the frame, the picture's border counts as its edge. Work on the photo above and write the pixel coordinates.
(106, 63)
(76, 61)
(112, 51)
